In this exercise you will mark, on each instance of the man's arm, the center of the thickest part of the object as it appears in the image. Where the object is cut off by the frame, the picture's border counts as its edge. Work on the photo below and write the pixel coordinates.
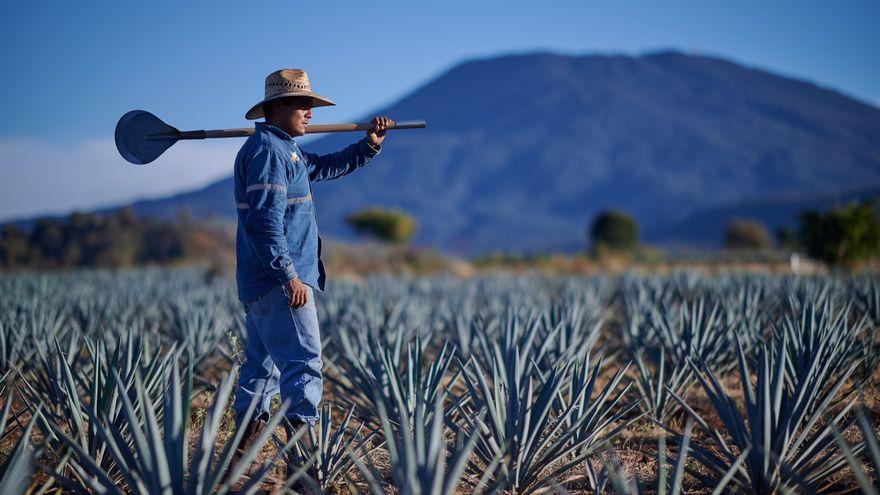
(266, 190)
(335, 165)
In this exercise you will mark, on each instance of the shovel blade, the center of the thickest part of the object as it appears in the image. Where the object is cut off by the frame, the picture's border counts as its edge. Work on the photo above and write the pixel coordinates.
(132, 133)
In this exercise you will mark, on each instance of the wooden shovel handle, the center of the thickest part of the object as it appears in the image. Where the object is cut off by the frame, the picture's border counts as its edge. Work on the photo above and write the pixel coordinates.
(363, 126)
(312, 129)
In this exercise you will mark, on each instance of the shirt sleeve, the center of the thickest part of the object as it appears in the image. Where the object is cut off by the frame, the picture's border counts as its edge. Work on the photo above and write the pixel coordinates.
(266, 191)
(335, 165)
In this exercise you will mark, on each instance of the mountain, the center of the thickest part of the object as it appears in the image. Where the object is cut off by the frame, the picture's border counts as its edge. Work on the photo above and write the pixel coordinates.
(521, 151)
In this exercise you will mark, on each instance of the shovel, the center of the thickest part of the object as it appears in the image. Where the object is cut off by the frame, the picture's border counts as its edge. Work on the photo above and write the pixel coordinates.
(141, 136)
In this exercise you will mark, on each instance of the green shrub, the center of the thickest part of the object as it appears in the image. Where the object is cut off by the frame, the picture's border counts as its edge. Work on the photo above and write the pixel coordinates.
(614, 230)
(746, 234)
(394, 226)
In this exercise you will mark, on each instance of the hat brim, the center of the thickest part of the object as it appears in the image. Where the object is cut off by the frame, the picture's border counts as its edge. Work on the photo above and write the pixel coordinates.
(256, 111)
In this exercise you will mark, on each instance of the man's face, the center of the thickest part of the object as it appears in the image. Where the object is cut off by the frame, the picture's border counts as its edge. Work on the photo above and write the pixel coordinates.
(294, 115)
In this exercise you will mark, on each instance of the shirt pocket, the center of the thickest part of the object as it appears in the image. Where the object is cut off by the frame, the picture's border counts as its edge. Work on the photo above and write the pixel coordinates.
(294, 167)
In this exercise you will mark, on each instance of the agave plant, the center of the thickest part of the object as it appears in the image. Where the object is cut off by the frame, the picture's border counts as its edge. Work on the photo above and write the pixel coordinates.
(331, 451)
(376, 374)
(423, 461)
(530, 424)
(574, 321)
(747, 306)
(654, 384)
(819, 334)
(693, 334)
(782, 448)
(831, 335)
(76, 392)
(29, 327)
(524, 340)
(200, 324)
(151, 453)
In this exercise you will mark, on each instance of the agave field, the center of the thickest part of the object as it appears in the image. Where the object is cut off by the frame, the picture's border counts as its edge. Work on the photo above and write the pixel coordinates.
(683, 383)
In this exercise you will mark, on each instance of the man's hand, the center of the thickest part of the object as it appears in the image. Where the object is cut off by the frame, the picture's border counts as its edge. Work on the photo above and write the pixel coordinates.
(377, 134)
(298, 293)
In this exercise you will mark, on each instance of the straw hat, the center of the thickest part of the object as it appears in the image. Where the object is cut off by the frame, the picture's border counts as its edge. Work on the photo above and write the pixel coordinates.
(283, 83)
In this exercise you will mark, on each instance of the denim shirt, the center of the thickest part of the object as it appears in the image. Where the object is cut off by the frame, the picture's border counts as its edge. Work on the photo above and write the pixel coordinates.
(277, 237)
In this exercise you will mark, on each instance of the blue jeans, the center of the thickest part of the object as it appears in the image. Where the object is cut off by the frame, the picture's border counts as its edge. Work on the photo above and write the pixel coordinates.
(282, 354)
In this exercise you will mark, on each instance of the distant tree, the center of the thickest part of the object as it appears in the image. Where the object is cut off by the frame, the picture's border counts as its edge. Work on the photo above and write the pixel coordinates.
(387, 225)
(614, 230)
(47, 240)
(82, 239)
(79, 222)
(787, 239)
(746, 234)
(13, 246)
(842, 236)
(124, 237)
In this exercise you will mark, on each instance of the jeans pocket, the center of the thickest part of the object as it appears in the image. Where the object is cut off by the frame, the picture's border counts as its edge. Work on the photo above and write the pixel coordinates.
(309, 294)
(281, 297)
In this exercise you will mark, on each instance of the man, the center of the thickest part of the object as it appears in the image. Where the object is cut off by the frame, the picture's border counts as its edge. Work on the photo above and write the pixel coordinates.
(278, 250)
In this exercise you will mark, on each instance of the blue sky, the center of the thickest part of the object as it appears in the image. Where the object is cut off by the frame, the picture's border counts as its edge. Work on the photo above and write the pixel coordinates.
(71, 69)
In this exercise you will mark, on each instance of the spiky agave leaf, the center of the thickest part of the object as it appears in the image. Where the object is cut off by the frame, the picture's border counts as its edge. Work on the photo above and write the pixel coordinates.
(596, 418)
(665, 484)
(13, 346)
(867, 295)
(16, 469)
(870, 444)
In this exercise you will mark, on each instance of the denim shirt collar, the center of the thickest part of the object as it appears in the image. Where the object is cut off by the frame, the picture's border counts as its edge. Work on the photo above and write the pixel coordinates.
(262, 126)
